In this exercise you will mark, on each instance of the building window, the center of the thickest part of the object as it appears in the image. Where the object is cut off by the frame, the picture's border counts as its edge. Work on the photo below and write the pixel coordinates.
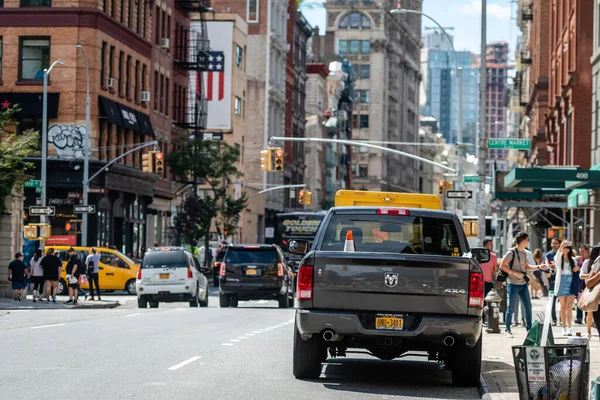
(355, 20)
(155, 91)
(136, 88)
(253, 10)
(122, 11)
(161, 103)
(239, 57)
(35, 57)
(362, 96)
(138, 18)
(129, 12)
(35, 3)
(105, 6)
(363, 121)
(128, 78)
(121, 61)
(237, 106)
(103, 66)
(354, 44)
(156, 29)
(343, 46)
(0, 59)
(144, 18)
(167, 91)
(364, 71)
(365, 47)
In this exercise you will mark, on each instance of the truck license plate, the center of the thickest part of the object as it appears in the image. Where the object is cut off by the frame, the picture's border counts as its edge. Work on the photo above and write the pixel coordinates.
(251, 272)
(392, 322)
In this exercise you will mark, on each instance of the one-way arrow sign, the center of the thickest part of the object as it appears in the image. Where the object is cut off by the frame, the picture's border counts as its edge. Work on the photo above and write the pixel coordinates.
(84, 209)
(49, 211)
(459, 194)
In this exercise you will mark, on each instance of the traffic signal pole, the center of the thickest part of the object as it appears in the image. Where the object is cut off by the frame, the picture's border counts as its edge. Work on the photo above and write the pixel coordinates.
(360, 144)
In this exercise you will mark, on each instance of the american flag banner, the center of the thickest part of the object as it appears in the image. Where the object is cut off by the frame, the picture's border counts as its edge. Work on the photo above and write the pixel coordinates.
(215, 76)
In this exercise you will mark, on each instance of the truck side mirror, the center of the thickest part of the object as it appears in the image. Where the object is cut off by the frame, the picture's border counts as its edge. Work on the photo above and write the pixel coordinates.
(481, 254)
(299, 247)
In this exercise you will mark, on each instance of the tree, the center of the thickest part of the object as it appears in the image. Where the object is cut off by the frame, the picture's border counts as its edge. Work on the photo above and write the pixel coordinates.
(211, 163)
(192, 223)
(14, 149)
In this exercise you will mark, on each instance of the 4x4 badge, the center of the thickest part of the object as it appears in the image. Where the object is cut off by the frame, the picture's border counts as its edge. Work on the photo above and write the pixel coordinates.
(390, 279)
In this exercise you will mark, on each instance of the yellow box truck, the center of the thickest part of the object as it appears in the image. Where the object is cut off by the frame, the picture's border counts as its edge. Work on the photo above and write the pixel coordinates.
(387, 199)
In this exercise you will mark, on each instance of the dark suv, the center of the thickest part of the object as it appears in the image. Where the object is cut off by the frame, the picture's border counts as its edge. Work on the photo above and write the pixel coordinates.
(255, 272)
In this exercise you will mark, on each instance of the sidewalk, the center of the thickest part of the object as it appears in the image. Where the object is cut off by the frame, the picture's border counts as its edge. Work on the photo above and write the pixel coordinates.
(498, 366)
(28, 304)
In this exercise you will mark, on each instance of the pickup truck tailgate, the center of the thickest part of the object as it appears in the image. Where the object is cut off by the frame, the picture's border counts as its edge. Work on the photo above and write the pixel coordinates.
(391, 282)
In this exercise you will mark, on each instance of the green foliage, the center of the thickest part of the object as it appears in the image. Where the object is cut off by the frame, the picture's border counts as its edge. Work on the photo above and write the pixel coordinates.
(327, 204)
(13, 151)
(213, 164)
(193, 221)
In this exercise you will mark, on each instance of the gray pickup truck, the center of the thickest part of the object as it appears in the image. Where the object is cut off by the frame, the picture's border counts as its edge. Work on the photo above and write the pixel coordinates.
(412, 284)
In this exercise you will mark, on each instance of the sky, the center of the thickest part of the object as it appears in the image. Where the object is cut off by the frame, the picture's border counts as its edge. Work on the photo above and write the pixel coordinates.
(464, 16)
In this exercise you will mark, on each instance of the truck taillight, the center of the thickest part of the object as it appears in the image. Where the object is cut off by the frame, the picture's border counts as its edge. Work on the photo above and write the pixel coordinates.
(279, 269)
(190, 275)
(139, 274)
(476, 289)
(216, 264)
(222, 270)
(305, 282)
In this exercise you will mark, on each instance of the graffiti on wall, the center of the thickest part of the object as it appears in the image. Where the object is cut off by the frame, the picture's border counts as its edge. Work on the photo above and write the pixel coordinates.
(67, 140)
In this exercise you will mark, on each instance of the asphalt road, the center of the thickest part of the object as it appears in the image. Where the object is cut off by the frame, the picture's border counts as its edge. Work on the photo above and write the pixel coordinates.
(185, 353)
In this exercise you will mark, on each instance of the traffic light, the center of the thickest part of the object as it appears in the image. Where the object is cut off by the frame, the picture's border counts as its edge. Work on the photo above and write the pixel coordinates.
(265, 160)
(278, 159)
(30, 232)
(308, 196)
(441, 187)
(147, 162)
(301, 197)
(45, 231)
(73, 226)
(159, 162)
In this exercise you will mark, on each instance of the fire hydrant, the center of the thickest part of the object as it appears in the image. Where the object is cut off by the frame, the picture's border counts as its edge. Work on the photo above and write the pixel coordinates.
(492, 311)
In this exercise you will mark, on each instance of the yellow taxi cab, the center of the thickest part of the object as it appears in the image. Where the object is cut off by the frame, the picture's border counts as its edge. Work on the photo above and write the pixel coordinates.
(115, 272)
(387, 199)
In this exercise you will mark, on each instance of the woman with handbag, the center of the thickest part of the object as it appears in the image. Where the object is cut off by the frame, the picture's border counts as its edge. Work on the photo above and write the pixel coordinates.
(566, 268)
(591, 295)
(585, 274)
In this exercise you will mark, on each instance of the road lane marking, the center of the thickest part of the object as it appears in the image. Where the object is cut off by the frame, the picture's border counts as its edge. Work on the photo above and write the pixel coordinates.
(131, 315)
(250, 334)
(242, 337)
(226, 344)
(257, 332)
(235, 340)
(184, 363)
(45, 326)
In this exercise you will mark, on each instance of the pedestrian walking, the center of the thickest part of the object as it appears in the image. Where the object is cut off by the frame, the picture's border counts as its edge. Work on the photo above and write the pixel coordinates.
(549, 260)
(585, 274)
(37, 275)
(17, 271)
(584, 255)
(75, 270)
(490, 268)
(52, 267)
(566, 269)
(515, 266)
(91, 263)
(538, 257)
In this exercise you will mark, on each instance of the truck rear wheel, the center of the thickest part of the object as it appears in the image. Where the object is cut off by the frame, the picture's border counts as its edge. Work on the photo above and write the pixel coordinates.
(466, 364)
(224, 300)
(307, 356)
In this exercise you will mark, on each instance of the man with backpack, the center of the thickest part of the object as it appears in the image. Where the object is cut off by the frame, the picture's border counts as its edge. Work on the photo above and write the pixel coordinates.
(74, 270)
(514, 269)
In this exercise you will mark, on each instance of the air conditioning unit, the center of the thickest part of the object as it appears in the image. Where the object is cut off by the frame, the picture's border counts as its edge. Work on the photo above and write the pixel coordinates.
(165, 43)
(145, 96)
(111, 83)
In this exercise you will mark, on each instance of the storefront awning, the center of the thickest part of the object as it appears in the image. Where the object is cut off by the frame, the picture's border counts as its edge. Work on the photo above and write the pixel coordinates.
(126, 117)
(30, 104)
(553, 178)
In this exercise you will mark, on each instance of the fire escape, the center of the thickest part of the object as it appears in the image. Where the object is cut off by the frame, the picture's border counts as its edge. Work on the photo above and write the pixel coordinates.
(191, 57)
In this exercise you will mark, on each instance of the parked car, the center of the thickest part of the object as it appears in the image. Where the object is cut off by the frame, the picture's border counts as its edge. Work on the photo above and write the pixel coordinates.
(116, 271)
(255, 272)
(171, 274)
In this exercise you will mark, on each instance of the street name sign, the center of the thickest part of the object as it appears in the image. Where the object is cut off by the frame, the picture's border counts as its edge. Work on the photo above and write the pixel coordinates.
(459, 194)
(508, 143)
(84, 209)
(471, 178)
(34, 183)
(98, 190)
(47, 210)
(212, 136)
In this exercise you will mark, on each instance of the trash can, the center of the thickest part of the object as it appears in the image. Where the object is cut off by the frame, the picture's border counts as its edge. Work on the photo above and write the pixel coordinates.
(555, 372)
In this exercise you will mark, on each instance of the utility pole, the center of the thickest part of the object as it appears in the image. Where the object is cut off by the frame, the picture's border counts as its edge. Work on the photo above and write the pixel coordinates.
(481, 208)
(86, 151)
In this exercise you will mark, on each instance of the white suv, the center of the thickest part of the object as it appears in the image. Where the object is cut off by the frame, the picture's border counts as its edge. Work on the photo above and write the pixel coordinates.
(171, 274)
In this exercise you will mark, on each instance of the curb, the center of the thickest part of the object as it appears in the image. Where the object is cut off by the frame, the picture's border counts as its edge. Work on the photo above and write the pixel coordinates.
(484, 392)
(95, 306)
(63, 307)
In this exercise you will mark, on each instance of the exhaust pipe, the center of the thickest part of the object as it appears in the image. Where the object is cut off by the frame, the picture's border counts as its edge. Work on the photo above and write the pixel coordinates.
(449, 341)
(331, 336)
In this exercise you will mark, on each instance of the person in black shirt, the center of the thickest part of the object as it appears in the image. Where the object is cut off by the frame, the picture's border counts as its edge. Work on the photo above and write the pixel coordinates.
(52, 269)
(74, 270)
(17, 270)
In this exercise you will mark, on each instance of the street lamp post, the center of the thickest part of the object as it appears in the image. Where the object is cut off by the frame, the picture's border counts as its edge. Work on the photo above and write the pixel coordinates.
(481, 209)
(45, 134)
(459, 71)
(86, 150)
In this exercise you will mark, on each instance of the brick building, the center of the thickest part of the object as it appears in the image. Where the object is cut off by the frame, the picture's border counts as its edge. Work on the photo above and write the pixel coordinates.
(116, 36)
